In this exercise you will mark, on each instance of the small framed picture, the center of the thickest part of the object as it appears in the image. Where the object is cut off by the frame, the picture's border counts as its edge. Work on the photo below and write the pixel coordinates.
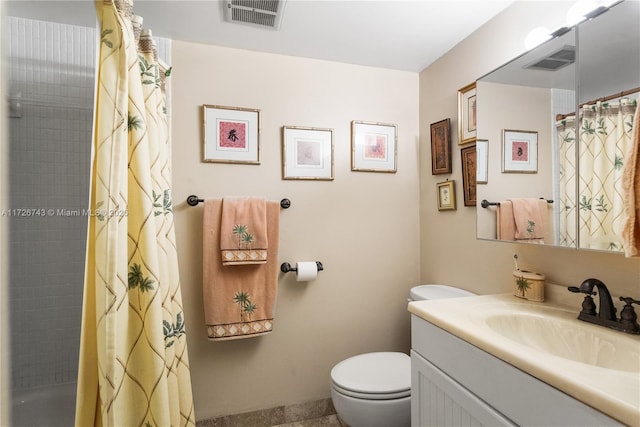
(373, 147)
(519, 151)
(440, 147)
(307, 153)
(482, 161)
(446, 195)
(469, 168)
(467, 114)
(231, 135)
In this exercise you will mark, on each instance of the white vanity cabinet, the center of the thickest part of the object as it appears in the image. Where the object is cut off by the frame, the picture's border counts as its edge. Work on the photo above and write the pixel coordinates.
(454, 383)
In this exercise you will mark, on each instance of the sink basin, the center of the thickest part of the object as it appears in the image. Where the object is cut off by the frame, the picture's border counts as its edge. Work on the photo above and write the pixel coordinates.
(569, 340)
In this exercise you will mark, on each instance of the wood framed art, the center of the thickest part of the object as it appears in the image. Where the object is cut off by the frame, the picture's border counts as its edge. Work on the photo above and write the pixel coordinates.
(231, 135)
(482, 161)
(373, 146)
(519, 151)
(469, 168)
(307, 153)
(441, 147)
(467, 114)
(446, 195)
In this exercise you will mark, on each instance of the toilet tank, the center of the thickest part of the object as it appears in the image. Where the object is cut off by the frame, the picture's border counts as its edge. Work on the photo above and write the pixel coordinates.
(428, 292)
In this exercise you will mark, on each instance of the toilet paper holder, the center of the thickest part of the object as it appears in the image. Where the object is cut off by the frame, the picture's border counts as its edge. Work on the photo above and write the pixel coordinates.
(285, 267)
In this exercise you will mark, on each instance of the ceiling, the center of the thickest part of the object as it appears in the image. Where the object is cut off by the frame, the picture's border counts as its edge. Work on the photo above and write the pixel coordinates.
(396, 34)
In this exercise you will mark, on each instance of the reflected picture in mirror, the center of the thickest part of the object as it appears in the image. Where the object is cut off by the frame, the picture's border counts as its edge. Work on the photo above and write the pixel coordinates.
(580, 160)
(519, 151)
(482, 161)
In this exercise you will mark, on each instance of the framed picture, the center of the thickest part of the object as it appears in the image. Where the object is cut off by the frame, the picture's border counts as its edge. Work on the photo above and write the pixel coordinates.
(482, 161)
(469, 170)
(307, 153)
(440, 147)
(231, 135)
(373, 147)
(446, 195)
(467, 114)
(519, 151)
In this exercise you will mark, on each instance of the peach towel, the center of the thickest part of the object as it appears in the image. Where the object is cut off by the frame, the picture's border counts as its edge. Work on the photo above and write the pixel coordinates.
(530, 217)
(239, 301)
(631, 193)
(243, 231)
(505, 224)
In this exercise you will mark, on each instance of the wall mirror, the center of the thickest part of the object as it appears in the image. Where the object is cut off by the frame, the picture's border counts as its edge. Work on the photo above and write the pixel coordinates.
(537, 149)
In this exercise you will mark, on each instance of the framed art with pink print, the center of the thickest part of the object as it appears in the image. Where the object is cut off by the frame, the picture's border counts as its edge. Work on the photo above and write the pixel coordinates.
(373, 146)
(519, 151)
(231, 135)
(307, 153)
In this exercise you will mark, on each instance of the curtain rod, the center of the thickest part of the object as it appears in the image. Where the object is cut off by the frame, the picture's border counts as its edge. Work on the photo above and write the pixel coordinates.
(606, 98)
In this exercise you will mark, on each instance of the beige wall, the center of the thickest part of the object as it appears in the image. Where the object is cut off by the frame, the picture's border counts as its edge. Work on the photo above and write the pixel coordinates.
(450, 252)
(364, 227)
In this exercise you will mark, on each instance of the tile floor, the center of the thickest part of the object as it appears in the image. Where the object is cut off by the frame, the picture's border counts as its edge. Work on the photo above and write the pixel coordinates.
(326, 421)
(320, 413)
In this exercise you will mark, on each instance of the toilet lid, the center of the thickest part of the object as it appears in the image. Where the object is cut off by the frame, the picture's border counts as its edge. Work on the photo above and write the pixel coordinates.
(384, 373)
(429, 292)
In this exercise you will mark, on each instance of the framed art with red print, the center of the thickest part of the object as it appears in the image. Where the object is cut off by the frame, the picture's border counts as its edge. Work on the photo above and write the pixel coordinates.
(519, 151)
(231, 135)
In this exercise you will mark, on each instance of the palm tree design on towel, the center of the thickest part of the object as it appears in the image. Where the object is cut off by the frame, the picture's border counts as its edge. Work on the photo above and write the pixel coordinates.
(246, 306)
(243, 236)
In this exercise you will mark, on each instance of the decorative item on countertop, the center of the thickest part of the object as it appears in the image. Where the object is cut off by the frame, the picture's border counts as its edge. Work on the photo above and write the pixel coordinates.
(528, 284)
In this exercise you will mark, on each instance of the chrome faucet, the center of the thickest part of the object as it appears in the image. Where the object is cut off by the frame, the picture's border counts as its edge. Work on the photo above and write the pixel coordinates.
(607, 311)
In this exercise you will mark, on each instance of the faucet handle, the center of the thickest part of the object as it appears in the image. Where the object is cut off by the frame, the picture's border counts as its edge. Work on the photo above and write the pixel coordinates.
(629, 300)
(628, 317)
(576, 290)
(588, 306)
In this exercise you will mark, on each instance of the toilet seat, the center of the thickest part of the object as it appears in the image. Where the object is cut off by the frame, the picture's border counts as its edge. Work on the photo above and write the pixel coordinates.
(371, 396)
(374, 376)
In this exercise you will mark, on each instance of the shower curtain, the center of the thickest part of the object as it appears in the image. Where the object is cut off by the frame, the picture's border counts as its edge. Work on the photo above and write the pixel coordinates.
(605, 140)
(566, 132)
(134, 365)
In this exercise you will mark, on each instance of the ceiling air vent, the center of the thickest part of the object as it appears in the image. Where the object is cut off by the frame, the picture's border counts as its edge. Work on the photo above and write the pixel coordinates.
(554, 61)
(260, 13)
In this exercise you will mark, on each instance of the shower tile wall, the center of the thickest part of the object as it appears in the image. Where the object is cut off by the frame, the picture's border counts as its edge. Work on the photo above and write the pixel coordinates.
(51, 86)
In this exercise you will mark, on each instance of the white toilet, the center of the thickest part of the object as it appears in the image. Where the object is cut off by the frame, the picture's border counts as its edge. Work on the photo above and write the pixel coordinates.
(374, 389)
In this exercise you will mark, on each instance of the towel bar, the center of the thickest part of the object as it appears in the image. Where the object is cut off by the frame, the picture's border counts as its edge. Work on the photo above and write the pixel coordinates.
(285, 267)
(193, 200)
(485, 203)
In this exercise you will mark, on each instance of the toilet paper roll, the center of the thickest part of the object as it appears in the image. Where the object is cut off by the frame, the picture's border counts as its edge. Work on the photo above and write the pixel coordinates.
(306, 271)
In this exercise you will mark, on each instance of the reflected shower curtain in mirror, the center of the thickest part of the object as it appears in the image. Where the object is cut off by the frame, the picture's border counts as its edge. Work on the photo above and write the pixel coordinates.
(566, 132)
(134, 366)
(605, 140)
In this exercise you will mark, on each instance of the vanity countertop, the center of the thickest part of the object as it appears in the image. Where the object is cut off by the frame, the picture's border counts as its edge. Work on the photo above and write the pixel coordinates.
(548, 342)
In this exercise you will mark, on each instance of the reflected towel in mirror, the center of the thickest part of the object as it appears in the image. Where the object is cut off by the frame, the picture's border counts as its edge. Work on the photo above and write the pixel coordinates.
(530, 217)
(631, 193)
(505, 224)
